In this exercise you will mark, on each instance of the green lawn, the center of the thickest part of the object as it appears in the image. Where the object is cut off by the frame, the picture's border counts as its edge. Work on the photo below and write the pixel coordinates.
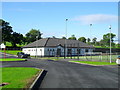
(11, 59)
(97, 58)
(18, 77)
(95, 63)
(105, 58)
(18, 45)
(106, 47)
(52, 58)
(14, 52)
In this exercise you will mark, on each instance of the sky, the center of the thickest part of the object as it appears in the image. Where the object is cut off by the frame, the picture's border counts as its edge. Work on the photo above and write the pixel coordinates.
(50, 18)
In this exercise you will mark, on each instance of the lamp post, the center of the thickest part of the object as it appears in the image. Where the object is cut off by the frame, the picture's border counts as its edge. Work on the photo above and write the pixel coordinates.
(66, 39)
(36, 45)
(110, 43)
(91, 40)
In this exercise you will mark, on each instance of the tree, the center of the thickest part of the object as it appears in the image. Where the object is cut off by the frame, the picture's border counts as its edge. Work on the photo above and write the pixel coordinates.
(82, 39)
(16, 38)
(88, 40)
(94, 40)
(53, 37)
(63, 37)
(6, 30)
(106, 39)
(72, 37)
(31, 35)
(24, 40)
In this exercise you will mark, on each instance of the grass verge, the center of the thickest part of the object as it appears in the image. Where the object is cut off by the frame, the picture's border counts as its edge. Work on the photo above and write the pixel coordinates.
(14, 52)
(104, 58)
(18, 77)
(11, 59)
(51, 58)
(95, 63)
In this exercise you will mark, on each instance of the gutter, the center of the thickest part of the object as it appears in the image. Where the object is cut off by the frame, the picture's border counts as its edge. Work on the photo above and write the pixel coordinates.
(37, 82)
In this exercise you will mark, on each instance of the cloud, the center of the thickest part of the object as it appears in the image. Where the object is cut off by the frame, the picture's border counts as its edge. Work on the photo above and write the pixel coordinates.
(96, 18)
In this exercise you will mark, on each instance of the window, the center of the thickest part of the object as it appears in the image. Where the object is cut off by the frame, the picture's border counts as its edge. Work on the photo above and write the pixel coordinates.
(86, 50)
(69, 51)
(78, 51)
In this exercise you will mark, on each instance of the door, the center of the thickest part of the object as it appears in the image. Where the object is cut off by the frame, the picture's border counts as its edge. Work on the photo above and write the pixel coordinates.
(58, 52)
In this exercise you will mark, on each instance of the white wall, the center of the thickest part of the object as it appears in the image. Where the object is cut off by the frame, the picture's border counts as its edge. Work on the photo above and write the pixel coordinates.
(33, 52)
(44, 51)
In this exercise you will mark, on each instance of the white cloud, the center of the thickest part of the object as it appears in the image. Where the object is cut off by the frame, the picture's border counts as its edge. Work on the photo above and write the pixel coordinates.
(96, 18)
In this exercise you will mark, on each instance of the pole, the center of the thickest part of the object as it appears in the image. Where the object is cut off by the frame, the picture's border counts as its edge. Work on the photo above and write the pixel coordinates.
(91, 40)
(66, 39)
(36, 46)
(110, 44)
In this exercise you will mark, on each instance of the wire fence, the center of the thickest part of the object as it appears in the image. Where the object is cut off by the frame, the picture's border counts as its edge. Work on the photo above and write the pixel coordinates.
(96, 56)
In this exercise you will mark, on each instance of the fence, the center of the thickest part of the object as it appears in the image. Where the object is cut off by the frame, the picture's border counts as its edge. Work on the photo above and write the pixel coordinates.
(97, 56)
(10, 48)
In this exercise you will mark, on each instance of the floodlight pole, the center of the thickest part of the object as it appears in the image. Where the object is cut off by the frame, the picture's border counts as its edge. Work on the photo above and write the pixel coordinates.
(36, 45)
(66, 39)
(91, 40)
(110, 44)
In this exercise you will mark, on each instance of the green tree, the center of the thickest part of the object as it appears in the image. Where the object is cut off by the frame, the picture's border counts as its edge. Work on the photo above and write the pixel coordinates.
(53, 37)
(72, 37)
(32, 34)
(6, 30)
(88, 40)
(94, 40)
(106, 39)
(63, 37)
(16, 38)
(98, 43)
(82, 39)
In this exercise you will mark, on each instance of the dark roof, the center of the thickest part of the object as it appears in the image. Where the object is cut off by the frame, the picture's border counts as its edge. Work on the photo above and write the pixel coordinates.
(53, 42)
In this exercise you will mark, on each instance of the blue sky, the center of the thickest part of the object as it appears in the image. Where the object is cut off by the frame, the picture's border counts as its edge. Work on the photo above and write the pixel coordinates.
(49, 17)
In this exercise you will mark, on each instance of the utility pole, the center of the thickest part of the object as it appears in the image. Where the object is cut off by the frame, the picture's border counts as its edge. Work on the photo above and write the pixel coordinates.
(66, 39)
(91, 40)
(36, 45)
(110, 44)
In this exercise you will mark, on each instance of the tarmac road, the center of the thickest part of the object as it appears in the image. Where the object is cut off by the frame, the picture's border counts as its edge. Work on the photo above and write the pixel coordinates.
(5, 55)
(62, 74)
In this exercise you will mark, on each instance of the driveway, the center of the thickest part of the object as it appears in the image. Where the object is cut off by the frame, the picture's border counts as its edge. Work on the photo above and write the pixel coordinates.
(62, 74)
(2, 55)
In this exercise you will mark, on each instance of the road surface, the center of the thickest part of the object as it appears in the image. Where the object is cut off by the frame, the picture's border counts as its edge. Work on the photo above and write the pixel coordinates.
(62, 74)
